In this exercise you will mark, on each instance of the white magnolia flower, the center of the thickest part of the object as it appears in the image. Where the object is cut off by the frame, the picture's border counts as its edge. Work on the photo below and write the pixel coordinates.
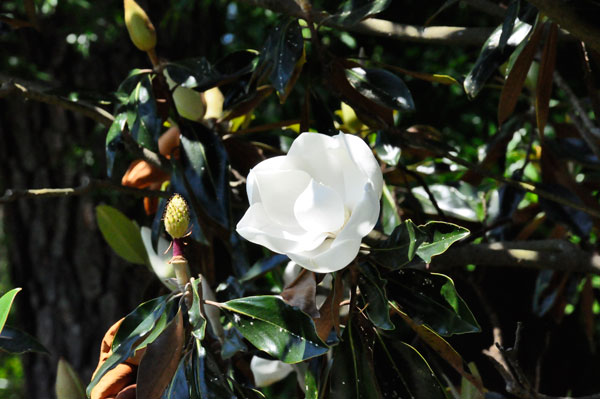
(267, 372)
(316, 203)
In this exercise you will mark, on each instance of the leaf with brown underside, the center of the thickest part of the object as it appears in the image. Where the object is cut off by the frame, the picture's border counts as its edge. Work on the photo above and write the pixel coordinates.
(159, 364)
(440, 346)
(302, 293)
(330, 310)
(544, 82)
(516, 77)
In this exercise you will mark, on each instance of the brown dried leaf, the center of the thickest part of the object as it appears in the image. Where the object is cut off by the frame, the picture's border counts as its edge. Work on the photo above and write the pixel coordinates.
(302, 293)
(160, 361)
(330, 311)
(516, 78)
(544, 82)
(141, 174)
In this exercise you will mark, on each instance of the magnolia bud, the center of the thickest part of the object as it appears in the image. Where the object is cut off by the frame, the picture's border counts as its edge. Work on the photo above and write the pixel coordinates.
(176, 217)
(190, 104)
(141, 31)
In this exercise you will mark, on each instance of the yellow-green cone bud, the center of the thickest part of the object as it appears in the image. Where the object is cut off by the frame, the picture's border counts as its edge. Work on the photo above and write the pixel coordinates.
(141, 31)
(177, 216)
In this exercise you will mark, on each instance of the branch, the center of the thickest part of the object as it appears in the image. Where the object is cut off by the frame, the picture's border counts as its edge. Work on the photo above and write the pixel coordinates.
(86, 187)
(559, 255)
(572, 19)
(450, 35)
(35, 92)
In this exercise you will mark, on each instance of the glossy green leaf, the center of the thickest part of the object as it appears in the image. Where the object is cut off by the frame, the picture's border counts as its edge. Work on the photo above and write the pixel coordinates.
(401, 246)
(15, 341)
(352, 374)
(372, 289)
(275, 327)
(280, 55)
(233, 342)
(6, 302)
(432, 299)
(390, 218)
(207, 380)
(197, 320)
(179, 387)
(311, 379)
(510, 18)
(135, 326)
(491, 56)
(351, 13)
(381, 87)
(122, 234)
(142, 118)
(114, 142)
(403, 373)
(440, 236)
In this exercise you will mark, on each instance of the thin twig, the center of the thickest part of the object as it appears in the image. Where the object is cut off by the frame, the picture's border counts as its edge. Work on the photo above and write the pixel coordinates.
(10, 87)
(89, 185)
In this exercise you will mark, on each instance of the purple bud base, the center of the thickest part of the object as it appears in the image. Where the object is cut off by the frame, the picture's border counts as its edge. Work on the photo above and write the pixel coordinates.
(177, 247)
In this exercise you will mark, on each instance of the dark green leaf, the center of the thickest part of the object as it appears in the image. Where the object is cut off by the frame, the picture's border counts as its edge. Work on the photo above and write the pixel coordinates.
(275, 327)
(208, 382)
(311, 379)
(350, 13)
(401, 246)
(389, 211)
(5, 304)
(282, 51)
(197, 320)
(233, 342)
(142, 118)
(135, 326)
(16, 341)
(403, 373)
(372, 289)
(440, 236)
(114, 142)
(432, 299)
(509, 22)
(352, 375)
(160, 361)
(491, 56)
(122, 234)
(264, 265)
(382, 87)
(179, 387)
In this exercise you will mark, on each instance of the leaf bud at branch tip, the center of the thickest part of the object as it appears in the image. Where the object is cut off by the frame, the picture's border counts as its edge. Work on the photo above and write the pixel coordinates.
(140, 28)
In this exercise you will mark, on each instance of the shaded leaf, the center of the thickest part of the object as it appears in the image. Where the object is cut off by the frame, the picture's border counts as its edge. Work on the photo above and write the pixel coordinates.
(245, 103)
(352, 375)
(382, 87)
(142, 116)
(509, 22)
(447, 4)
(122, 234)
(233, 342)
(275, 327)
(6, 302)
(431, 299)
(114, 142)
(311, 379)
(136, 325)
(372, 289)
(440, 236)
(390, 217)
(15, 341)
(330, 310)
(160, 361)
(401, 246)
(196, 318)
(208, 382)
(491, 56)
(68, 385)
(516, 76)
(544, 83)
(350, 14)
(263, 266)
(179, 387)
(403, 373)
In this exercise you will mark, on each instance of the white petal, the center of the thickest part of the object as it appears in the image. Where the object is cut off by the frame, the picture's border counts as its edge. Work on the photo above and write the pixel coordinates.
(363, 158)
(158, 262)
(275, 163)
(267, 372)
(279, 190)
(319, 208)
(331, 256)
(257, 227)
(363, 217)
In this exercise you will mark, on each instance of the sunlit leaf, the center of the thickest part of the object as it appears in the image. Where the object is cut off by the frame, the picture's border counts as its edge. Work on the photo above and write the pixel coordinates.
(432, 299)
(68, 385)
(351, 13)
(275, 327)
(401, 246)
(142, 116)
(6, 301)
(440, 236)
(382, 87)
(122, 234)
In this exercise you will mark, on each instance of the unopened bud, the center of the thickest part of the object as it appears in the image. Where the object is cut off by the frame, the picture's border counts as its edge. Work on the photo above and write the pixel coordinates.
(177, 216)
(140, 28)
